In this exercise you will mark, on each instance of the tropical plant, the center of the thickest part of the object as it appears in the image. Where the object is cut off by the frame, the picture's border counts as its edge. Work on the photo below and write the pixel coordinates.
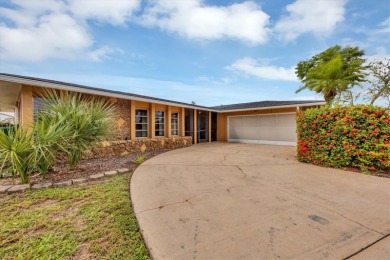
(16, 152)
(332, 71)
(84, 121)
(50, 138)
(380, 82)
(139, 159)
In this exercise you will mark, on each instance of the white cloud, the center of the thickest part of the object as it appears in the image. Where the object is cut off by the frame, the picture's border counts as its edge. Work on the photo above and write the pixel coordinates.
(384, 26)
(115, 12)
(309, 16)
(103, 53)
(54, 35)
(38, 30)
(380, 55)
(195, 20)
(215, 81)
(251, 67)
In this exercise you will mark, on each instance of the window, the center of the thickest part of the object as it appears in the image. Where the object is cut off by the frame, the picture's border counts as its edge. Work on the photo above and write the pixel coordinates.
(141, 123)
(38, 103)
(159, 131)
(175, 124)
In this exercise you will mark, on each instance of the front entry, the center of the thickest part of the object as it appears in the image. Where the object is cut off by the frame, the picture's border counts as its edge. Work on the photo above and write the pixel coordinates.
(203, 126)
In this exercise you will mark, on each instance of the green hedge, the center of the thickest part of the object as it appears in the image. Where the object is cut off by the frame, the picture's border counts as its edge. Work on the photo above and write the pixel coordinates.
(353, 136)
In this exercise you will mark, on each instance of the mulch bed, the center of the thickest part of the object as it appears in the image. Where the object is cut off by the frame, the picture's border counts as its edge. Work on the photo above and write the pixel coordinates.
(384, 174)
(84, 169)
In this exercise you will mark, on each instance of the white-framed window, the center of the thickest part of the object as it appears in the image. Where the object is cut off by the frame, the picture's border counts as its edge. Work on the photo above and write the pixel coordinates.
(160, 123)
(175, 123)
(141, 123)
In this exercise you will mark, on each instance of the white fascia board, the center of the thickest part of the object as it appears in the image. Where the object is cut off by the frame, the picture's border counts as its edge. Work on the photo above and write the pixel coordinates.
(102, 92)
(273, 107)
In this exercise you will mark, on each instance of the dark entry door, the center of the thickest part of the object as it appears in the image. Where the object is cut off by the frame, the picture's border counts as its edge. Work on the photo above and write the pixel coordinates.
(213, 126)
(203, 126)
(189, 123)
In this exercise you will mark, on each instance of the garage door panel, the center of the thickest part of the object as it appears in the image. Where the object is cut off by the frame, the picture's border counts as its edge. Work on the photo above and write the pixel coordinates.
(286, 120)
(267, 133)
(268, 120)
(286, 134)
(267, 129)
(249, 133)
(250, 121)
(234, 133)
(235, 121)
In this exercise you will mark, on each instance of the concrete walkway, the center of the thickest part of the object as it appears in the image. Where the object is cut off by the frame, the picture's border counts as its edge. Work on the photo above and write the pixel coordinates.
(242, 201)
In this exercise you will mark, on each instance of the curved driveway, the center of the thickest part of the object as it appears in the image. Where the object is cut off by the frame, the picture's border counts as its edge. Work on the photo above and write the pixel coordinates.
(243, 201)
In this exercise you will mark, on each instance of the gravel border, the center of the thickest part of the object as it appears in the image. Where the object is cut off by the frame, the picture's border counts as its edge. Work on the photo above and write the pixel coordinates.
(9, 189)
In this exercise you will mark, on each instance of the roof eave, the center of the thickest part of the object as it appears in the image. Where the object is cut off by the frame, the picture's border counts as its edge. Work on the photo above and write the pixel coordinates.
(273, 107)
(100, 92)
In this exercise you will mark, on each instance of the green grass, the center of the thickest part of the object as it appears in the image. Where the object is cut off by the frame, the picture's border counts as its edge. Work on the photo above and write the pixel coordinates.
(93, 221)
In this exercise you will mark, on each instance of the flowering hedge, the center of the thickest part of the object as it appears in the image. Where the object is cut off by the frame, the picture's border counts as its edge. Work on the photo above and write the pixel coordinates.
(353, 136)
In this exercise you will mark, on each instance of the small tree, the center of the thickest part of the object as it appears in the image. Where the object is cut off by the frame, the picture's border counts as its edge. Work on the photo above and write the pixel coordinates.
(332, 72)
(380, 84)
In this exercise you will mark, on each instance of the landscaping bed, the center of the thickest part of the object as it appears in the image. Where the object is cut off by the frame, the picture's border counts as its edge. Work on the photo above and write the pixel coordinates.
(86, 168)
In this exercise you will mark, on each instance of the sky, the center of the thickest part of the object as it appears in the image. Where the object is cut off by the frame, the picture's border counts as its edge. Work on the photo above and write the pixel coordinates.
(210, 52)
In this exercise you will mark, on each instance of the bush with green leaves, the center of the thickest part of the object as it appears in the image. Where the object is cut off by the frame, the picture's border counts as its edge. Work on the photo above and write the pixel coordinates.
(67, 123)
(139, 159)
(88, 120)
(352, 136)
(16, 150)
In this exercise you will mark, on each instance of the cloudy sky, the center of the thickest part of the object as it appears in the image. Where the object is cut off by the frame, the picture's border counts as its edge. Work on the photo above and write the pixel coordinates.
(211, 52)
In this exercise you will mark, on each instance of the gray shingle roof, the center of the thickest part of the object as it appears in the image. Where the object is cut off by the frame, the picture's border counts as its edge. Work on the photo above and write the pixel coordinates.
(260, 104)
(99, 89)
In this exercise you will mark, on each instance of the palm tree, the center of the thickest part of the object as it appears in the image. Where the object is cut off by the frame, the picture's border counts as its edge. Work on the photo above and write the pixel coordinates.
(332, 72)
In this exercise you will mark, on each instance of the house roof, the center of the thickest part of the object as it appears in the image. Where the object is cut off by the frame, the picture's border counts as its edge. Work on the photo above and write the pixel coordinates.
(87, 89)
(266, 104)
(19, 79)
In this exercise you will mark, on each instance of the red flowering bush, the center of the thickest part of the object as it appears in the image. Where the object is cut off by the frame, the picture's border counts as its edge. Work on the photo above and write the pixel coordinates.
(353, 136)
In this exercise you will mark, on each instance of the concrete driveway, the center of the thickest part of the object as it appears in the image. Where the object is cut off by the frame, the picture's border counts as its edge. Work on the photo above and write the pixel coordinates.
(242, 201)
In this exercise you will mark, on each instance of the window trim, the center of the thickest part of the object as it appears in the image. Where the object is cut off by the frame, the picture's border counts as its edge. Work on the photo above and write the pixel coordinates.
(147, 123)
(155, 123)
(178, 124)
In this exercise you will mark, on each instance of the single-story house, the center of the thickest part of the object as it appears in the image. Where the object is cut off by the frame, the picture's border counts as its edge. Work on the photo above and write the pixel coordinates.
(263, 122)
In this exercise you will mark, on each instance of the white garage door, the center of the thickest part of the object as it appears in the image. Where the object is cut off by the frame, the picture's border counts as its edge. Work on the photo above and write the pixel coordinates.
(279, 129)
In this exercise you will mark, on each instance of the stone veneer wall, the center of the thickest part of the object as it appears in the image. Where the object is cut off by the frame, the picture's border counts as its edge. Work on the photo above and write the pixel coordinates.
(123, 122)
(125, 147)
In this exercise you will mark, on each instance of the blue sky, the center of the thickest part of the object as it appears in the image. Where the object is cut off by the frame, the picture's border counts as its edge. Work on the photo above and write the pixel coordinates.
(210, 52)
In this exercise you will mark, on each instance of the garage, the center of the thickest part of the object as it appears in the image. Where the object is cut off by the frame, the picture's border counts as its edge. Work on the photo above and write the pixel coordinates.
(277, 129)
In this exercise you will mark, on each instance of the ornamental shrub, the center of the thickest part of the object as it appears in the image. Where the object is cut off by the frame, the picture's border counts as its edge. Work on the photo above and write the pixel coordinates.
(352, 136)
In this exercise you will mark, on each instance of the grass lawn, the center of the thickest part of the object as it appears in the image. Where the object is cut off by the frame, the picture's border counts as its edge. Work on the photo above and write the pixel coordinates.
(85, 222)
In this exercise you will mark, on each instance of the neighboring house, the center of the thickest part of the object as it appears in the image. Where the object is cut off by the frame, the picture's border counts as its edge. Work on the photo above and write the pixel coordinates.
(264, 122)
